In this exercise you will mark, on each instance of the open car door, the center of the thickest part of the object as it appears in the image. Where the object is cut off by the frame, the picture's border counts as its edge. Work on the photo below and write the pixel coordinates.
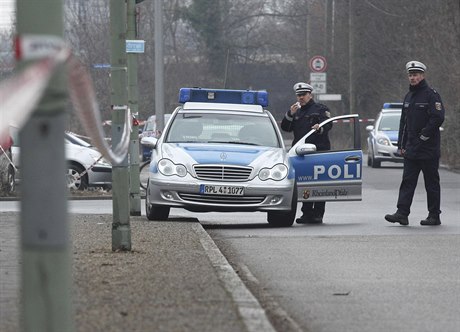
(332, 175)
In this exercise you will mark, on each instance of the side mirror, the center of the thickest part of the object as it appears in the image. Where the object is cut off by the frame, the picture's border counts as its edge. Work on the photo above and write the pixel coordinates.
(304, 149)
(150, 142)
(370, 128)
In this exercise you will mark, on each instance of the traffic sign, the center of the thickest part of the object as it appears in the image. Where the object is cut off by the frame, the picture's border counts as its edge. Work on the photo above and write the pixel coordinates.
(318, 87)
(101, 65)
(317, 77)
(135, 46)
(318, 64)
(330, 97)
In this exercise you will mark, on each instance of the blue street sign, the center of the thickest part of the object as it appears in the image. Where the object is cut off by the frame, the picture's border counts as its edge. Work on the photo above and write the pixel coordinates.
(135, 46)
(101, 65)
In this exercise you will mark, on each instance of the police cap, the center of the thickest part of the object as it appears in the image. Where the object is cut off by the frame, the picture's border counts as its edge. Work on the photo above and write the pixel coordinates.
(415, 66)
(302, 88)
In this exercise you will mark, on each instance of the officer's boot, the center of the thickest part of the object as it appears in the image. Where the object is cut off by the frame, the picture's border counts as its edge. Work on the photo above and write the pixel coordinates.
(397, 218)
(431, 220)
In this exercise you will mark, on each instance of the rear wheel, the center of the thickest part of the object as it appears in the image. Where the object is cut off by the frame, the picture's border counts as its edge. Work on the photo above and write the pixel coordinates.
(284, 218)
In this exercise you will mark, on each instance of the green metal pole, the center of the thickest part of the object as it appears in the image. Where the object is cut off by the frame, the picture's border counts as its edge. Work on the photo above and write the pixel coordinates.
(159, 64)
(135, 196)
(46, 292)
(121, 229)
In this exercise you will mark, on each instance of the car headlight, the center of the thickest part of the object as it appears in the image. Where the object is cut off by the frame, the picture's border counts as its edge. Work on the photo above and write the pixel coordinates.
(277, 172)
(168, 168)
(383, 141)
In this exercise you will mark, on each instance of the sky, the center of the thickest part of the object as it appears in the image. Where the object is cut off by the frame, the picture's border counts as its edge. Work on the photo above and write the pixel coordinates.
(7, 8)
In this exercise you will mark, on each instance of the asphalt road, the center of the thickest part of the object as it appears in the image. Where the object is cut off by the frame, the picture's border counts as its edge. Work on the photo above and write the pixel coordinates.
(356, 272)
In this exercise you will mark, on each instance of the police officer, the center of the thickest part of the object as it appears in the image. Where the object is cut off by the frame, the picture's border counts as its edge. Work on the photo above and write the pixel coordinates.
(420, 144)
(303, 116)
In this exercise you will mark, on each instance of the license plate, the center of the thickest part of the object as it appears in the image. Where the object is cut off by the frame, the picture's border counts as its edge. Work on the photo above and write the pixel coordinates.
(221, 190)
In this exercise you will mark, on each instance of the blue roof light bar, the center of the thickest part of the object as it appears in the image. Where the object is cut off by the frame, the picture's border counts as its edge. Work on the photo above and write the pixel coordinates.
(392, 105)
(203, 95)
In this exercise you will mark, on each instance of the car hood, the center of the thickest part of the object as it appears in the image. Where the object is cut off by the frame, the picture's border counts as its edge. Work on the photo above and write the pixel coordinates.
(229, 154)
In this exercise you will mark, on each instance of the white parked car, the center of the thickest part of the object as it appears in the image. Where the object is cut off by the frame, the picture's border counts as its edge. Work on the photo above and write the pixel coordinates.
(86, 166)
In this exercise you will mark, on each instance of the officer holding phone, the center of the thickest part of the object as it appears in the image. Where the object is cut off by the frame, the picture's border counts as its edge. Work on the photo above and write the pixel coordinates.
(303, 116)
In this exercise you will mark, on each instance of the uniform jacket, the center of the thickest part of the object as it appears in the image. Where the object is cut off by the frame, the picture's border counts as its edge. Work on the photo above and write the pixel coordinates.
(302, 121)
(422, 115)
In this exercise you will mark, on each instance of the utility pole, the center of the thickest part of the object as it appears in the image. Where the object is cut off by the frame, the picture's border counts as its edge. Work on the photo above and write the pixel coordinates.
(159, 64)
(46, 286)
(121, 229)
(135, 196)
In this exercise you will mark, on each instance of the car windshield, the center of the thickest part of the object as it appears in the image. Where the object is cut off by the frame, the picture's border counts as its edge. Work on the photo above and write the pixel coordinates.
(223, 128)
(76, 140)
(389, 122)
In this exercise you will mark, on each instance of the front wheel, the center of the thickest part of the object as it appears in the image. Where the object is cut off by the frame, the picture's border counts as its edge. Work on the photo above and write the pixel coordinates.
(155, 212)
(75, 180)
(144, 174)
(284, 218)
(375, 163)
(10, 180)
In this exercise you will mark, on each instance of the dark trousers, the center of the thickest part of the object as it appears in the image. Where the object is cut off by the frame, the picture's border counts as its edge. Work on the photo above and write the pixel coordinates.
(412, 168)
(313, 209)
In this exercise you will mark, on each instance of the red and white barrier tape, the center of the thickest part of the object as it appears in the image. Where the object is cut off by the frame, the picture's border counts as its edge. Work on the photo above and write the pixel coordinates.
(84, 101)
(20, 94)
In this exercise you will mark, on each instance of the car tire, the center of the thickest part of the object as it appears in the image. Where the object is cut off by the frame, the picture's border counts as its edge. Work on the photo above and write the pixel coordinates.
(369, 159)
(155, 212)
(74, 170)
(10, 180)
(143, 178)
(375, 163)
(284, 218)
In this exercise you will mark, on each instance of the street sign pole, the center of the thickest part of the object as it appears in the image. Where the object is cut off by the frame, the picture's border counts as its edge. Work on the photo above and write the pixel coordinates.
(134, 189)
(46, 283)
(121, 229)
(159, 63)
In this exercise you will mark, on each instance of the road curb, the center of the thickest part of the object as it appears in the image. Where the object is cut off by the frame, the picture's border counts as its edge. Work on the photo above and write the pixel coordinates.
(250, 310)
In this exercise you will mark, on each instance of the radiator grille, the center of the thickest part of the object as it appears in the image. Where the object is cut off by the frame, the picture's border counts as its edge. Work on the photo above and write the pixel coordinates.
(222, 172)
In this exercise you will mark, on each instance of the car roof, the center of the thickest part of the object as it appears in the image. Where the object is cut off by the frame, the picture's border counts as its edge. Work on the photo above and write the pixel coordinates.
(391, 111)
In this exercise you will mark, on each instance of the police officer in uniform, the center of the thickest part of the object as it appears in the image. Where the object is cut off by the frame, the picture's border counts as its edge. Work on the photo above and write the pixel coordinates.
(303, 116)
(420, 144)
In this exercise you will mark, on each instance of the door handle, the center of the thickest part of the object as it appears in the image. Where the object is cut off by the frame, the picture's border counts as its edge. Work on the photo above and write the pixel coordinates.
(352, 159)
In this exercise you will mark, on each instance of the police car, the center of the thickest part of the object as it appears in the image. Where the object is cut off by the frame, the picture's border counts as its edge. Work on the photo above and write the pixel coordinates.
(382, 140)
(223, 151)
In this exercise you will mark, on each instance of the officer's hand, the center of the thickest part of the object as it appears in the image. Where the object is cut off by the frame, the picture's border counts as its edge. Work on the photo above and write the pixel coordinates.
(294, 108)
(317, 128)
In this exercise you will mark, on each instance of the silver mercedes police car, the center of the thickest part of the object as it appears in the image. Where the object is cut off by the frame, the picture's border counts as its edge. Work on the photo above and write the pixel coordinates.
(222, 151)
